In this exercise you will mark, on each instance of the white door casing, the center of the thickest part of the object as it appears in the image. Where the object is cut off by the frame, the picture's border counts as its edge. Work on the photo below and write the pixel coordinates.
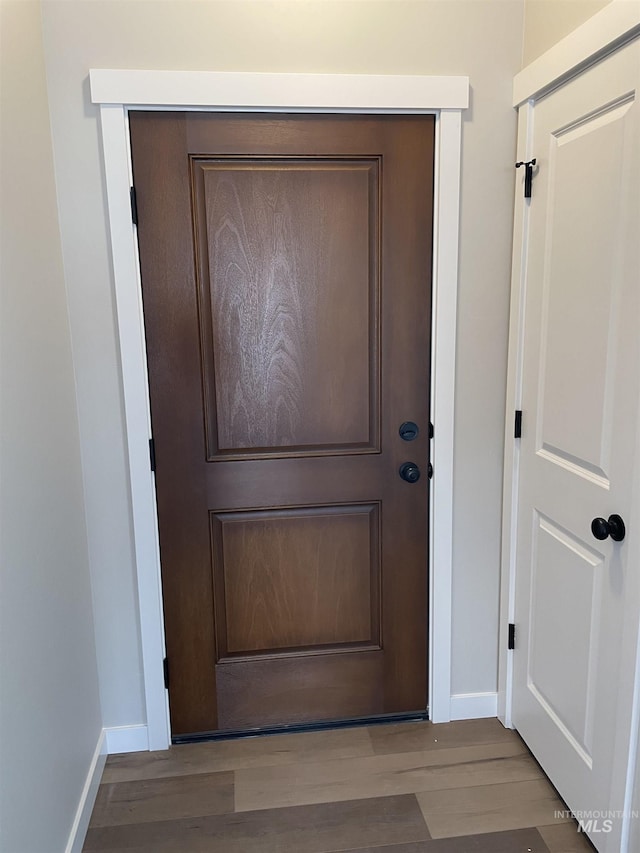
(118, 90)
(575, 372)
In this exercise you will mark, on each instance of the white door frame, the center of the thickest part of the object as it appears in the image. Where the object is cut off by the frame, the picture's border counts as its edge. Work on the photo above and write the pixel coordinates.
(117, 91)
(611, 28)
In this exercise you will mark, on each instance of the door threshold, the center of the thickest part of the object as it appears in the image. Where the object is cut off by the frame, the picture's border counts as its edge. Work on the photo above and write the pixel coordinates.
(297, 728)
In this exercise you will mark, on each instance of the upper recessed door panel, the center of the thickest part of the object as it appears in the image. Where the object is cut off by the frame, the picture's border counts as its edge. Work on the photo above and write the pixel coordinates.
(288, 281)
(581, 277)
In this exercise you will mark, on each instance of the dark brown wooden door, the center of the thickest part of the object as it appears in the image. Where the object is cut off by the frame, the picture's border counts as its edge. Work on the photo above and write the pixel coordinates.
(286, 277)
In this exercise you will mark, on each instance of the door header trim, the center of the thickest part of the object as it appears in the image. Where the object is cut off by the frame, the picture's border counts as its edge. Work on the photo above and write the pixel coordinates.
(602, 34)
(244, 91)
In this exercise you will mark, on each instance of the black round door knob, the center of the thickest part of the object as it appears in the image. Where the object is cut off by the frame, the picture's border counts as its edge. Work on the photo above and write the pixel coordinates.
(613, 527)
(410, 472)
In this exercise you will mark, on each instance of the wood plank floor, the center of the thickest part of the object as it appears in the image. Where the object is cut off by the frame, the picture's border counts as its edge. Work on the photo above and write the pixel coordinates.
(464, 787)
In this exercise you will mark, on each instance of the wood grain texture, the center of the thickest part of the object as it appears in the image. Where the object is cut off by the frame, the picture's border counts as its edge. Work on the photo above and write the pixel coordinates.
(278, 787)
(170, 305)
(306, 829)
(289, 284)
(416, 737)
(565, 838)
(489, 808)
(286, 263)
(517, 841)
(293, 689)
(163, 799)
(288, 579)
(145, 797)
(222, 755)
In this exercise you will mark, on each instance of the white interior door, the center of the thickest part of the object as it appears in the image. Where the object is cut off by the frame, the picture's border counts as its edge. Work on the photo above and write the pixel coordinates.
(577, 598)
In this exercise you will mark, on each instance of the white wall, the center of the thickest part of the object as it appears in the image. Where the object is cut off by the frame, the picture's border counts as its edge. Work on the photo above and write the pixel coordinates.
(50, 717)
(548, 21)
(481, 39)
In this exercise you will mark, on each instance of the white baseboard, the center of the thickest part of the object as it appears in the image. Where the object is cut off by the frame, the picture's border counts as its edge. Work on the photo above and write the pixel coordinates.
(473, 706)
(88, 797)
(127, 739)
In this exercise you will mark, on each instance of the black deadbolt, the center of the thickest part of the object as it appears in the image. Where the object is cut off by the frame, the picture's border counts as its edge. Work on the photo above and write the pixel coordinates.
(408, 431)
(613, 527)
(410, 472)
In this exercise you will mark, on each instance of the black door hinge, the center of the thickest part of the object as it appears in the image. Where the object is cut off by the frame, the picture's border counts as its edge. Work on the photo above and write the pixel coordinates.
(517, 426)
(165, 668)
(152, 454)
(430, 471)
(511, 643)
(134, 205)
(528, 175)
(430, 430)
